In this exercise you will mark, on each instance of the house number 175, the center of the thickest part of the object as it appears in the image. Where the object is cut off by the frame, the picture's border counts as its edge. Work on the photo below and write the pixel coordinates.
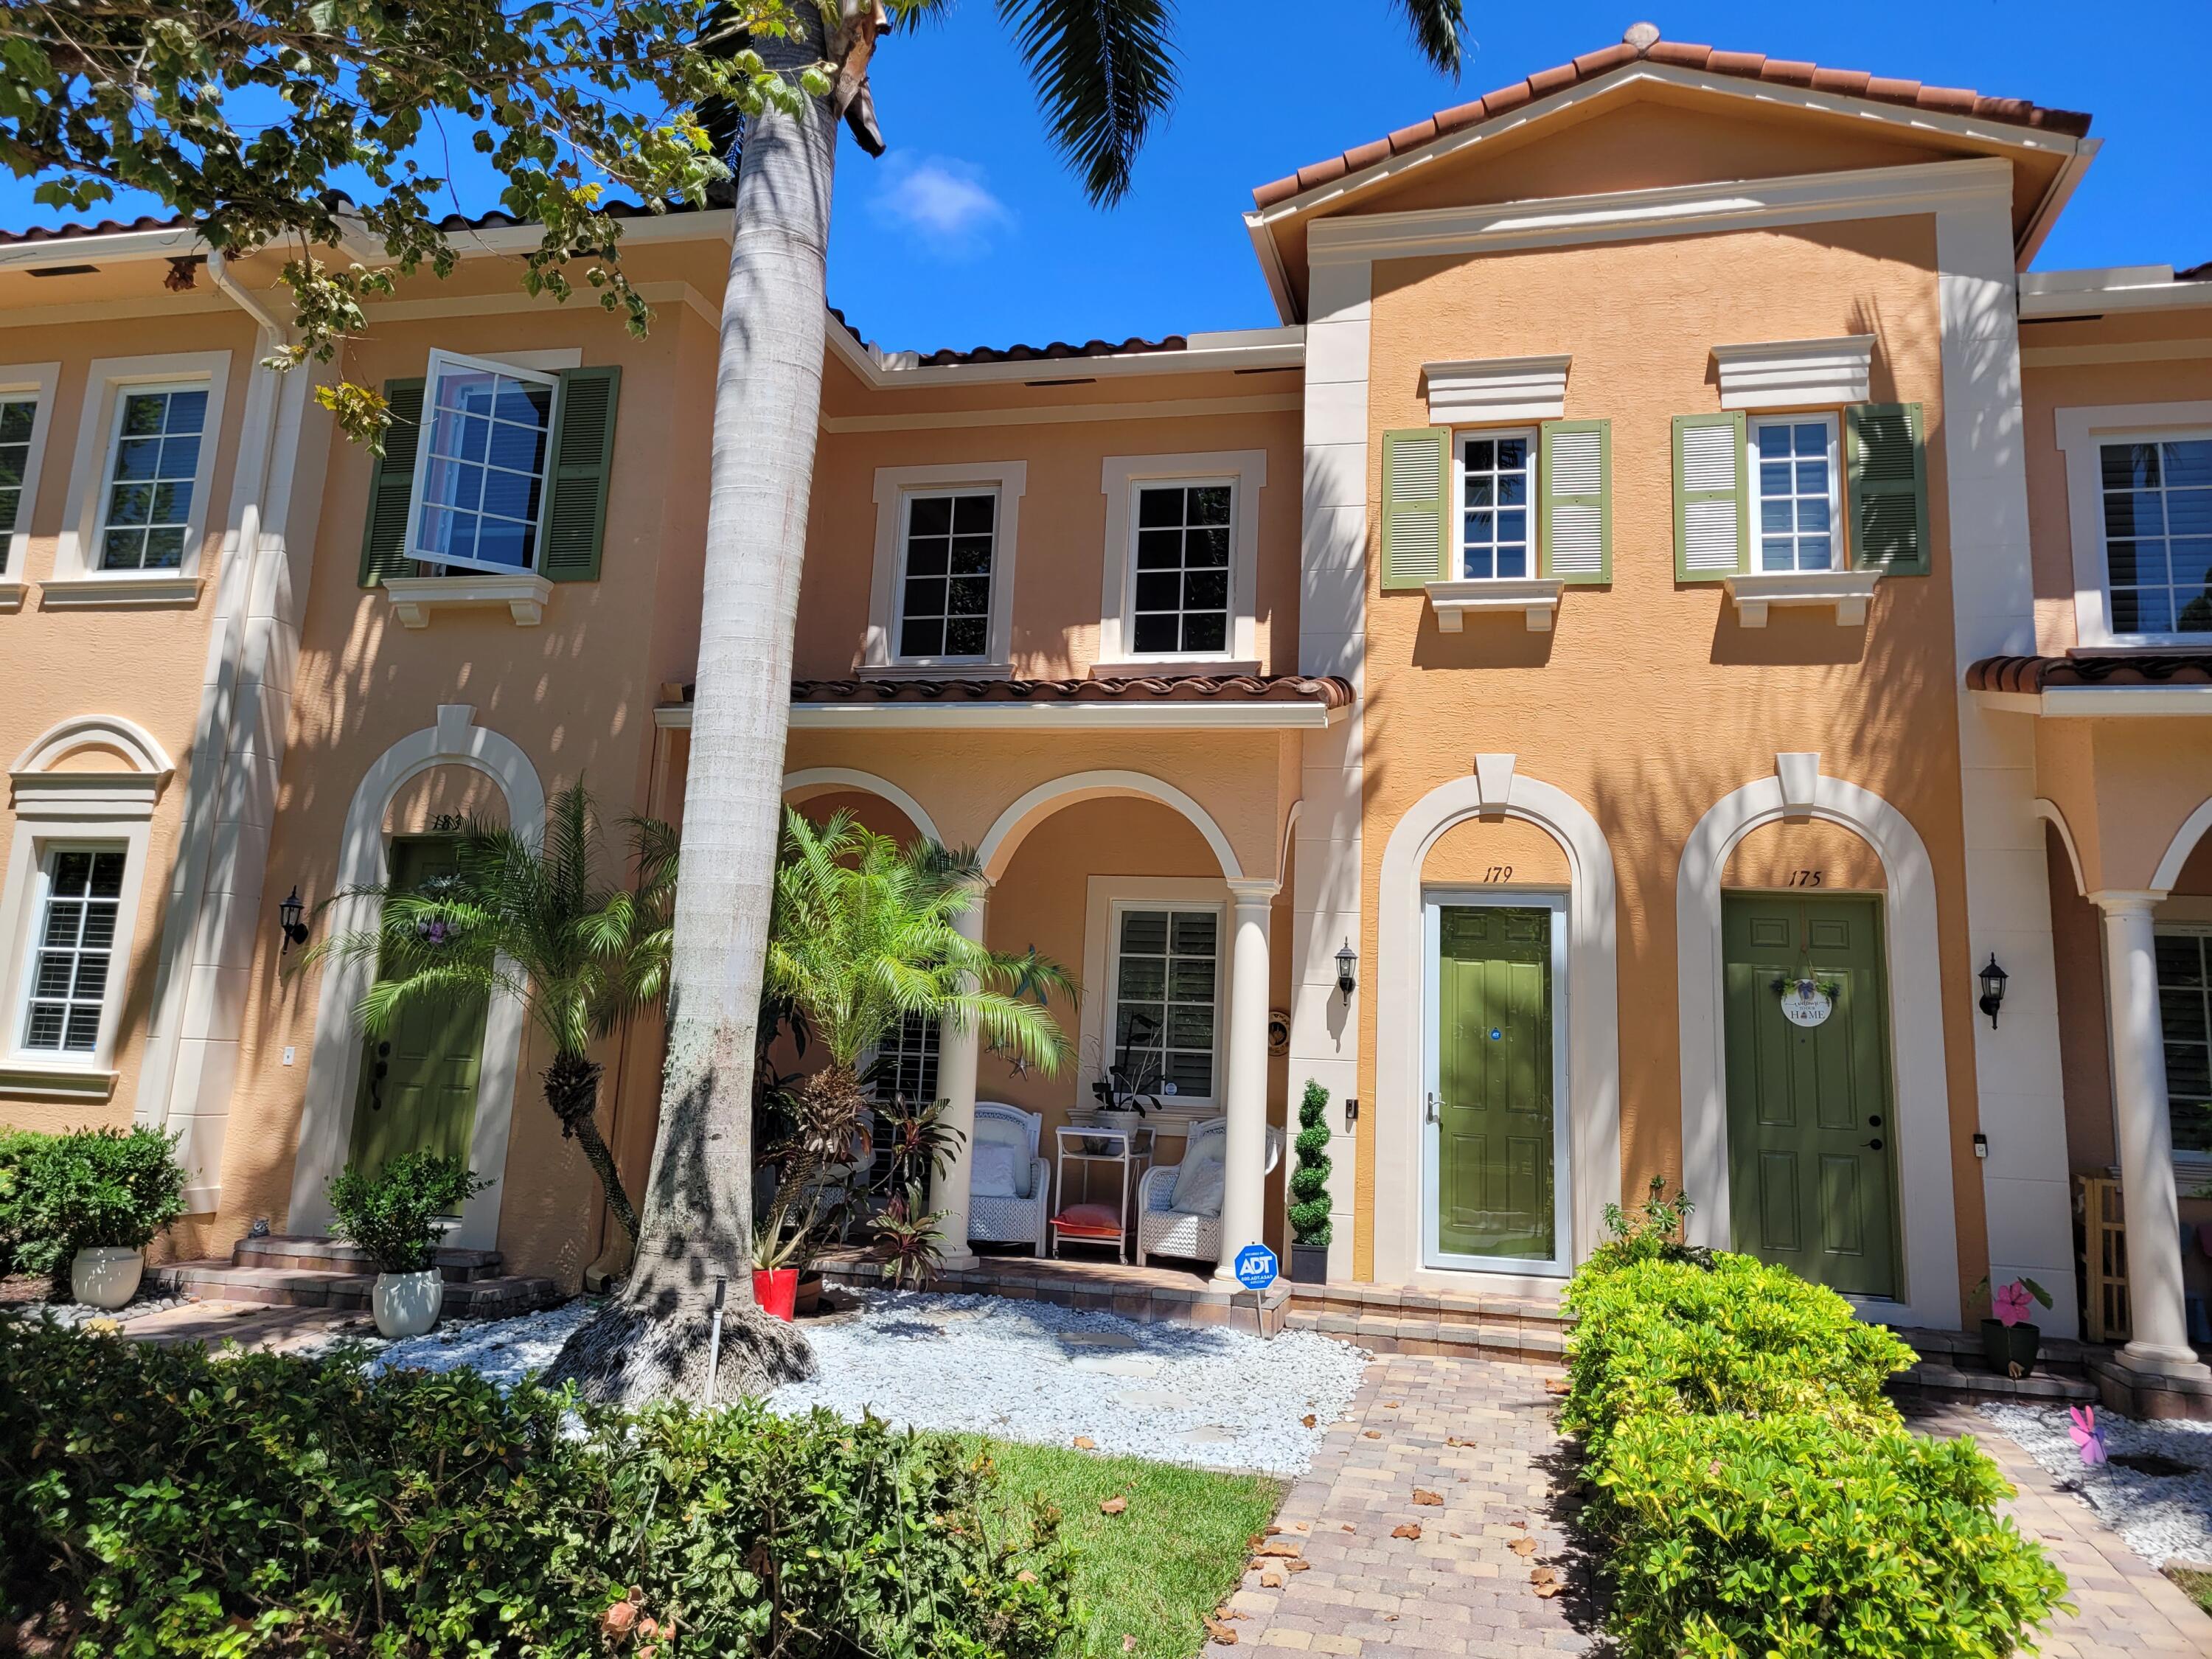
(1806, 878)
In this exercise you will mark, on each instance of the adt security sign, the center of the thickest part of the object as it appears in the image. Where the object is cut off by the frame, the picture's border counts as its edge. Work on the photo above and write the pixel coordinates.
(1255, 1267)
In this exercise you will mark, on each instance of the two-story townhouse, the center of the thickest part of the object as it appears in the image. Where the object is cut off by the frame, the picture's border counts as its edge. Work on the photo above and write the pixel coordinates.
(1669, 608)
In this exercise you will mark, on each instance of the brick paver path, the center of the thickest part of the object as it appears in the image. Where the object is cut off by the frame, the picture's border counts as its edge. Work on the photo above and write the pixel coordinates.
(1478, 1434)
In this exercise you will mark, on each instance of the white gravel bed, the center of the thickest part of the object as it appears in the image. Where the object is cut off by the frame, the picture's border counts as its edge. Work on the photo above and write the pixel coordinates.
(2161, 1517)
(1032, 1371)
(503, 1350)
(78, 1313)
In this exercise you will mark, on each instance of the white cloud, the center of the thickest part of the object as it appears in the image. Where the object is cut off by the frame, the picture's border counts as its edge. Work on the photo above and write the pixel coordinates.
(942, 203)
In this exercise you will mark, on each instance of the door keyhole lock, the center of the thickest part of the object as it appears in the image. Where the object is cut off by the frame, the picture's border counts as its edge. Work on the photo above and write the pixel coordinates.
(1873, 1120)
(1874, 1145)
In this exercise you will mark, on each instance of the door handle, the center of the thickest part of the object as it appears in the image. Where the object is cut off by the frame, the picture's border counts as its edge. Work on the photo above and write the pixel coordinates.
(1873, 1120)
(1874, 1146)
(1433, 1118)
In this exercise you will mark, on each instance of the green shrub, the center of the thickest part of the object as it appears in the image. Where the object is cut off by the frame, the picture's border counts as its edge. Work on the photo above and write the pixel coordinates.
(1308, 1212)
(1800, 1536)
(396, 1214)
(1674, 1337)
(156, 1502)
(62, 1193)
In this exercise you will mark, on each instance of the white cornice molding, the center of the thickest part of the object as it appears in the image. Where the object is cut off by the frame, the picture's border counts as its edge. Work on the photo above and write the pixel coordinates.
(1475, 391)
(1795, 373)
(2047, 304)
(1667, 210)
(2103, 702)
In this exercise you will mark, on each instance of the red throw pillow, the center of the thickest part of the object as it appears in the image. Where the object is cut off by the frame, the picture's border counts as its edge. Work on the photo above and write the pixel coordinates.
(1099, 1218)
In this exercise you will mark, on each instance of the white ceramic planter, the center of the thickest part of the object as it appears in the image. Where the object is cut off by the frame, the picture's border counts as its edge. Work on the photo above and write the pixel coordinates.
(106, 1275)
(407, 1304)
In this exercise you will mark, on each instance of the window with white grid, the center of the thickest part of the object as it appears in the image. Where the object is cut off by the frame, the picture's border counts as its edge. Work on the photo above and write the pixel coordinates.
(2185, 1006)
(945, 587)
(1497, 517)
(2158, 534)
(1795, 475)
(1167, 991)
(1180, 602)
(18, 417)
(153, 470)
(72, 950)
(480, 470)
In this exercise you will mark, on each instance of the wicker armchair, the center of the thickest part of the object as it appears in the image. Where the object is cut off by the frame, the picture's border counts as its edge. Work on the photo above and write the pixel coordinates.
(1012, 1220)
(1164, 1230)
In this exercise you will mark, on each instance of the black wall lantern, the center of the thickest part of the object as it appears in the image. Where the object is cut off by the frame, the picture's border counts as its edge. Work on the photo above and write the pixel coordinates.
(1346, 960)
(1993, 984)
(288, 920)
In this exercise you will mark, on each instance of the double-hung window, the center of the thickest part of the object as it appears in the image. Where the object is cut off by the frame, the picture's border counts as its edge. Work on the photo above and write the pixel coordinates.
(2185, 998)
(152, 471)
(1179, 603)
(19, 418)
(72, 950)
(1166, 976)
(481, 466)
(949, 547)
(1796, 479)
(1497, 498)
(2156, 504)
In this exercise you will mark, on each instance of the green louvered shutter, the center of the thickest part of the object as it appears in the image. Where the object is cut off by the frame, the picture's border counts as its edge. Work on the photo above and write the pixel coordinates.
(1577, 501)
(1887, 463)
(1712, 498)
(583, 460)
(391, 486)
(1416, 513)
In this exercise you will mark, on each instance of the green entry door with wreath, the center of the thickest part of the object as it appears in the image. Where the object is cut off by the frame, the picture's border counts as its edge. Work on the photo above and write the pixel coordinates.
(1812, 1137)
(418, 1081)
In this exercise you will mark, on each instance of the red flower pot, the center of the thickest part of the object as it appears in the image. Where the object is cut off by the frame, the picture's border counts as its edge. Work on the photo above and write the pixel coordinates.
(776, 1289)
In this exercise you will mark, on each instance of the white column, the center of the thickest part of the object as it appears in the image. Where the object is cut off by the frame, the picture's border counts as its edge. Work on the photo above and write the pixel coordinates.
(2146, 1136)
(957, 1054)
(1243, 1197)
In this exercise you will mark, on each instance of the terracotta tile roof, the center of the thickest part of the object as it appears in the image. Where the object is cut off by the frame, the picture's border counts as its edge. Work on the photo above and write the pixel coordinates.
(1329, 692)
(1055, 351)
(450, 223)
(2036, 674)
(1643, 42)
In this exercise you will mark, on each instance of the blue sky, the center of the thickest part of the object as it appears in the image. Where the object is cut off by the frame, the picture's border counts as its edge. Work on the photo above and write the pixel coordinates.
(971, 232)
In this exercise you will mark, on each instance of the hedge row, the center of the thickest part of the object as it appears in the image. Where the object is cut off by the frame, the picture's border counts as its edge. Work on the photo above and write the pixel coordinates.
(158, 1502)
(1760, 1495)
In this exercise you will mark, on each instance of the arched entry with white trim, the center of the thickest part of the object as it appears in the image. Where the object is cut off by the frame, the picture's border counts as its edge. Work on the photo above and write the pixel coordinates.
(334, 1067)
(1922, 1092)
(813, 781)
(1495, 789)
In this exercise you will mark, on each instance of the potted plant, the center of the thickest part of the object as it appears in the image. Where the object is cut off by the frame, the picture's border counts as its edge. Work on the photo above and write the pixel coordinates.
(1309, 1209)
(102, 1195)
(397, 1217)
(776, 1253)
(1133, 1086)
(2008, 1341)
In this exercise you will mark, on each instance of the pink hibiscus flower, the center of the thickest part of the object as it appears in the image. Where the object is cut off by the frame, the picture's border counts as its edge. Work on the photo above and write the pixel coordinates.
(2012, 1303)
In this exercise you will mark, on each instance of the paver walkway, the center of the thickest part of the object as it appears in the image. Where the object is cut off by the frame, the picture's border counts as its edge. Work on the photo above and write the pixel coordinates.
(1478, 1434)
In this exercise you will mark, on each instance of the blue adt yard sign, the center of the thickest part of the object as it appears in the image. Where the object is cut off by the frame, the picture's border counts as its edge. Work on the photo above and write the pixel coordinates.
(1255, 1267)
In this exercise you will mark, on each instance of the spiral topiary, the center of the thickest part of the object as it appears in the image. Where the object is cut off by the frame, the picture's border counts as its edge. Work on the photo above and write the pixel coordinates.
(1310, 1222)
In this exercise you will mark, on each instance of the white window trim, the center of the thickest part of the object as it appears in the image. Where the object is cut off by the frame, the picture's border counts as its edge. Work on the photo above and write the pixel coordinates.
(2082, 433)
(879, 653)
(1795, 373)
(1839, 553)
(441, 360)
(1461, 436)
(60, 809)
(1471, 392)
(40, 380)
(1106, 898)
(77, 578)
(1245, 473)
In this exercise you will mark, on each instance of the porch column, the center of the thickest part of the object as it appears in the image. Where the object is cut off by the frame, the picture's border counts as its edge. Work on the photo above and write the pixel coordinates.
(1243, 1196)
(956, 1052)
(2146, 1137)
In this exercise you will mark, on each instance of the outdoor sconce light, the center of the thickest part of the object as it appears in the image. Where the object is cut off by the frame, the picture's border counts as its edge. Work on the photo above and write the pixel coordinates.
(1346, 960)
(1993, 984)
(288, 920)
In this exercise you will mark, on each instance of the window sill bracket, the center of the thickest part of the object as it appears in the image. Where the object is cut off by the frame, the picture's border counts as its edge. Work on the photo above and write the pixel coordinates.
(1537, 599)
(414, 599)
(1848, 590)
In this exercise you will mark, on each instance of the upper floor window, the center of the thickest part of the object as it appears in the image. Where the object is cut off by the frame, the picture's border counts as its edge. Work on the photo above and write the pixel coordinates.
(153, 469)
(945, 589)
(1496, 492)
(72, 948)
(18, 417)
(1796, 479)
(1181, 601)
(480, 473)
(2157, 520)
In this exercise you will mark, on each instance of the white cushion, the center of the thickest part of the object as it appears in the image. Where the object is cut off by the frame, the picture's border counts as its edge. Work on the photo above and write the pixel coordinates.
(992, 1174)
(1199, 1186)
(996, 1131)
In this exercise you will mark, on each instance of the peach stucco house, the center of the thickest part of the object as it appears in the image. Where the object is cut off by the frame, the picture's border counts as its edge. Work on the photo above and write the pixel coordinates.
(1670, 605)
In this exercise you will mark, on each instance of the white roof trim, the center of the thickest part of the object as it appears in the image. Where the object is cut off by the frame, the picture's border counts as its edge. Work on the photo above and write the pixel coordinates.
(1164, 715)
(1206, 354)
(1795, 373)
(2088, 294)
(1469, 392)
(2102, 701)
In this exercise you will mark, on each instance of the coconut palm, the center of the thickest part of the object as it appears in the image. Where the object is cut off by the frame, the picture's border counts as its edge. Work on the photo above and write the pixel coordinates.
(1105, 71)
(530, 917)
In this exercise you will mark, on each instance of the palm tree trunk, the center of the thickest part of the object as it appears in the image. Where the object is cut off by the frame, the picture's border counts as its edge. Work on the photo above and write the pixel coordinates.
(697, 1225)
(572, 1090)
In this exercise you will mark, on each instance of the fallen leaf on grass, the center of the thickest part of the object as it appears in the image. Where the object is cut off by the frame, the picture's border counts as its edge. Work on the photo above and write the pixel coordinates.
(1085, 1442)
(1435, 1499)
(1128, 1643)
(1410, 1529)
(1523, 1547)
(1113, 1506)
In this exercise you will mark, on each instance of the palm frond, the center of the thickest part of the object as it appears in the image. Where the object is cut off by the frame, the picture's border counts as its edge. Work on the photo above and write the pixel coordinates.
(1437, 26)
(1105, 71)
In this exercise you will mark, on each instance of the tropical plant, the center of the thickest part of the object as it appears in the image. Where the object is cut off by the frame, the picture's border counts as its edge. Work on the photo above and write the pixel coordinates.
(909, 1242)
(94, 1187)
(1309, 1210)
(530, 916)
(397, 1215)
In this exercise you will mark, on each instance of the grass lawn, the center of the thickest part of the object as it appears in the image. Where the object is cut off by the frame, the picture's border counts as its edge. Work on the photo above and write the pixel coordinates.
(1153, 1571)
(2196, 1581)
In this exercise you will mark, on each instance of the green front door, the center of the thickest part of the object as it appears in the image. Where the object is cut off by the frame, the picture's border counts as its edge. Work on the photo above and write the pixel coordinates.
(418, 1081)
(1493, 1141)
(1812, 1168)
